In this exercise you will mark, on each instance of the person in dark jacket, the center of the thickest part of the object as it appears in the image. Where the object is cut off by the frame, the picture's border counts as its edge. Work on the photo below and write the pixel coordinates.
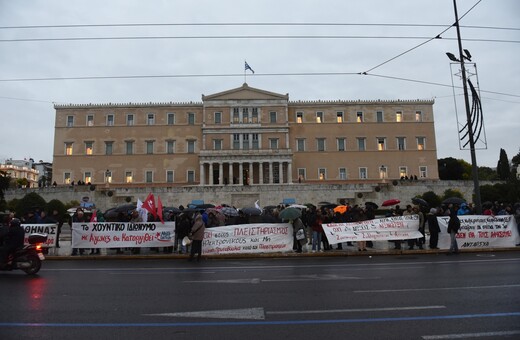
(13, 240)
(453, 229)
(433, 227)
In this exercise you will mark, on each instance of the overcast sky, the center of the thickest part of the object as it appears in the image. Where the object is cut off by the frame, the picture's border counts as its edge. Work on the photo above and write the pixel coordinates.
(26, 106)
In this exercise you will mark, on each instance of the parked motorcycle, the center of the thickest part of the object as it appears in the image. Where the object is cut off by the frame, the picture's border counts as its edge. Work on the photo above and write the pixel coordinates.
(29, 258)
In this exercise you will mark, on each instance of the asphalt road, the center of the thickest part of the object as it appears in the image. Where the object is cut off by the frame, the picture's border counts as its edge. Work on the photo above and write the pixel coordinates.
(383, 297)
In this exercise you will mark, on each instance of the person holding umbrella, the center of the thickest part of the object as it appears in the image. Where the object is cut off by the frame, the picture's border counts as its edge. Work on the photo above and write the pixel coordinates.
(453, 229)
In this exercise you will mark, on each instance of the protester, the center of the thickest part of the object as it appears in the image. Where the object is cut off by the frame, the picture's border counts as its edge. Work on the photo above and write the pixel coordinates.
(78, 217)
(453, 229)
(317, 231)
(433, 228)
(197, 235)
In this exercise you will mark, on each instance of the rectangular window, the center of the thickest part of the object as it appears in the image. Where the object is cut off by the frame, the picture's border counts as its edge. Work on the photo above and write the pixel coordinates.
(379, 116)
(149, 147)
(299, 117)
(383, 172)
(129, 145)
(110, 120)
(421, 143)
(170, 147)
(339, 117)
(129, 177)
(148, 175)
(418, 116)
(399, 116)
(319, 117)
(401, 143)
(359, 117)
(191, 146)
(169, 176)
(255, 115)
(66, 177)
(403, 172)
(217, 144)
(89, 148)
(236, 115)
(191, 118)
(108, 176)
(256, 141)
(301, 174)
(70, 121)
(342, 173)
(381, 143)
(191, 176)
(150, 119)
(109, 148)
(362, 173)
(68, 149)
(341, 144)
(300, 145)
(236, 141)
(320, 144)
(423, 172)
(272, 117)
(361, 142)
(130, 119)
(171, 118)
(245, 141)
(87, 178)
(218, 117)
(245, 115)
(90, 120)
(322, 174)
(273, 143)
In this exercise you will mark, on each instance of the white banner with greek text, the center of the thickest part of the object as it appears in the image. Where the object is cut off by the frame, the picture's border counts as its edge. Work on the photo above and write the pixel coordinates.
(389, 228)
(481, 231)
(51, 230)
(248, 238)
(122, 234)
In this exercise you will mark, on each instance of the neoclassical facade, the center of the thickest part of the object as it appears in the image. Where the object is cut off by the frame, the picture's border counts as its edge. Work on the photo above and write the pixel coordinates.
(244, 136)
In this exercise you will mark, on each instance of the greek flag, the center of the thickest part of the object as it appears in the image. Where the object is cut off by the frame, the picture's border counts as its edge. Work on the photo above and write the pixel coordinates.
(247, 67)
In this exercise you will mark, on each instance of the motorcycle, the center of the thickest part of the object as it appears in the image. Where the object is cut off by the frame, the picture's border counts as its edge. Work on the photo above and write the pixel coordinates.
(29, 258)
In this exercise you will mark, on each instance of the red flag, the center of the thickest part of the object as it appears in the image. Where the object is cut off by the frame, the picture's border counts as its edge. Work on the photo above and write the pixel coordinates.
(93, 218)
(149, 204)
(159, 208)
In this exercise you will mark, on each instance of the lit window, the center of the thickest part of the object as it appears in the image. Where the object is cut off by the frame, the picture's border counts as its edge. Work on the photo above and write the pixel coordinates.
(68, 149)
(322, 174)
(245, 115)
(255, 115)
(236, 115)
(301, 174)
(381, 143)
(319, 117)
(90, 120)
(403, 171)
(299, 117)
(359, 117)
(66, 178)
(383, 172)
(398, 116)
(88, 177)
(129, 177)
(89, 148)
(421, 143)
(339, 117)
(418, 116)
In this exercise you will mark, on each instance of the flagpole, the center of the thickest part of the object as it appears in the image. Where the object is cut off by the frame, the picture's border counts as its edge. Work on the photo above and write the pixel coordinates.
(245, 82)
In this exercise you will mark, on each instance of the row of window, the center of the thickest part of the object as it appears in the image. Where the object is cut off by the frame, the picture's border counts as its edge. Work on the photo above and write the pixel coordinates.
(244, 115)
(249, 141)
(302, 175)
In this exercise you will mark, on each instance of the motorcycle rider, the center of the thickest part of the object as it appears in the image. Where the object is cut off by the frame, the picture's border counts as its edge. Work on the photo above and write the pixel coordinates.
(13, 240)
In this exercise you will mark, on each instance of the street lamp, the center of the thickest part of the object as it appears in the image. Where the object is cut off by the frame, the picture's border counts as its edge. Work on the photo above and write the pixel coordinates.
(474, 167)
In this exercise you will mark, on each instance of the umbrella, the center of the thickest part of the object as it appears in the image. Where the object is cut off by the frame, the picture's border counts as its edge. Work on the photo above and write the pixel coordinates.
(324, 203)
(125, 208)
(390, 202)
(371, 204)
(229, 211)
(454, 200)
(329, 206)
(341, 209)
(298, 206)
(172, 209)
(419, 201)
(220, 216)
(202, 206)
(251, 211)
(290, 213)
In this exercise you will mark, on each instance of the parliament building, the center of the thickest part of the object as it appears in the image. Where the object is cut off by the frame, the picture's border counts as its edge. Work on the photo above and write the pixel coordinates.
(244, 136)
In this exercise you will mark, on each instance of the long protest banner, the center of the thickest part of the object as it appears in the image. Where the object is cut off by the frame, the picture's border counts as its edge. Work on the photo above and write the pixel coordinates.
(389, 228)
(248, 238)
(481, 231)
(51, 230)
(122, 234)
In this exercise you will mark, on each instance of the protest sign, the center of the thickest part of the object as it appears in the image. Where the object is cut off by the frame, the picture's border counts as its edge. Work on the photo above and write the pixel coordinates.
(50, 229)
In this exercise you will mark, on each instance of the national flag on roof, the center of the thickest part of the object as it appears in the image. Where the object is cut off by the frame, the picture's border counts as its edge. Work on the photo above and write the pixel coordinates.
(247, 67)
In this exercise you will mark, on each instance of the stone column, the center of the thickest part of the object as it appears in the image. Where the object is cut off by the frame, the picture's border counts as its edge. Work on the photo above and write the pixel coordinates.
(251, 173)
(220, 173)
(289, 172)
(230, 179)
(261, 173)
(210, 174)
(241, 173)
(270, 172)
(202, 175)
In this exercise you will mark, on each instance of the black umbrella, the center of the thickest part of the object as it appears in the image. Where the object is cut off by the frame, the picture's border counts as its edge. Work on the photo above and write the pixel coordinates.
(202, 206)
(371, 204)
(454, 200)
(324, 203)
(125, 208)
(172, 209)
(290, 213)
(251, 211)
(419, 201)
(329, 206)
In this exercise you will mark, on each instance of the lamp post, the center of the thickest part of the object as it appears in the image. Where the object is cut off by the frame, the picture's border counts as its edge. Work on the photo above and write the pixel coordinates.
(474, 167)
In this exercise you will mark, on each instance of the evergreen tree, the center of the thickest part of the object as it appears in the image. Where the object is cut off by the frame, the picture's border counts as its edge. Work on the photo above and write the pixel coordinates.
(503, 167)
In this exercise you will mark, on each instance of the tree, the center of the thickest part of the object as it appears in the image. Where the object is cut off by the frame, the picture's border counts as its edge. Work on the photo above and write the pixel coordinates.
(56, 205)
(516, 159)
(503, 166)
(450, 169)
(452, 193)
(487, 174)
(5, 179)
(431, 198)
(29, 202)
